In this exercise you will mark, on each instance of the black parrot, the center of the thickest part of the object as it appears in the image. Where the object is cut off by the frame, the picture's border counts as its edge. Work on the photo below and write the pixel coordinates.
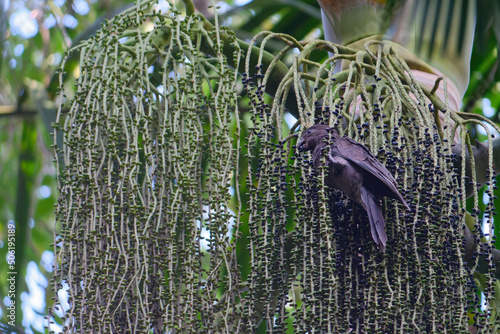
(356, 172)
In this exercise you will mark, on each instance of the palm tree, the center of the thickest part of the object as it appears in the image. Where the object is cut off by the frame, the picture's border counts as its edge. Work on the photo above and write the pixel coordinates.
(185, 207)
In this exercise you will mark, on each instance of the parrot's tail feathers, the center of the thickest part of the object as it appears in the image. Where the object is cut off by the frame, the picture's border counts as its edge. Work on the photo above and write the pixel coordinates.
(376, 217)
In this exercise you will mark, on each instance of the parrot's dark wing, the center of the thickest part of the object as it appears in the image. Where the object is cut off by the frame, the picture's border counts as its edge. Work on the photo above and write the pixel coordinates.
(359, 155)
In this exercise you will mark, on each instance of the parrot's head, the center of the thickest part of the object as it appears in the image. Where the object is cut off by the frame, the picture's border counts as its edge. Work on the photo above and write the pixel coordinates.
(314, 136)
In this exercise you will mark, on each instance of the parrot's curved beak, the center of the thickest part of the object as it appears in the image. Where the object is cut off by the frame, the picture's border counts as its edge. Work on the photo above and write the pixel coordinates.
(300, 145)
